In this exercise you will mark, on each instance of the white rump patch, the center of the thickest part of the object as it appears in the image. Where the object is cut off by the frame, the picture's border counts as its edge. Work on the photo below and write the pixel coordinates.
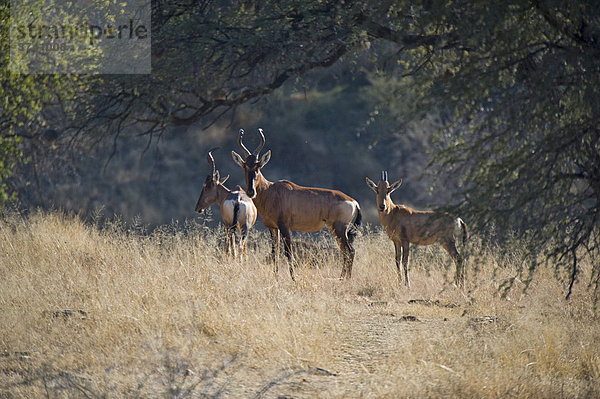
(227, 211)
(352, 206)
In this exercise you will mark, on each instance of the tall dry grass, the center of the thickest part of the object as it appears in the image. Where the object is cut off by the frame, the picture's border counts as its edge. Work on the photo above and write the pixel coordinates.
(109, 311)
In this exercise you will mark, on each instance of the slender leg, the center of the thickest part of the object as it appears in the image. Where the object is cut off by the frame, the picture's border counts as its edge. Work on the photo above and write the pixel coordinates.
(275, 248)
(243, 241)
(450, 247)
(287, 245)
(350, 233)
(231, 244)
(398, 253)
(405, 249)
(351, 252)
(227, 241)
(340, 231)
(344, 252)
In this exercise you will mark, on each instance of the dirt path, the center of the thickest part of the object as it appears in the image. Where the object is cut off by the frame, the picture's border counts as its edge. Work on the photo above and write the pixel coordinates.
(367, 342)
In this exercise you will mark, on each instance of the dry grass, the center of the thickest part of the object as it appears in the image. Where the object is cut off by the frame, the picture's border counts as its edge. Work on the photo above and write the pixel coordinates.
(90, 312)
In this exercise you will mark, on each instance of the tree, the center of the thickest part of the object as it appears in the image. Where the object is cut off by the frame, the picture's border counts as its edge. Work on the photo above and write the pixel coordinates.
(518, 83)
(208, 58)
(35, 109)
(515, 83)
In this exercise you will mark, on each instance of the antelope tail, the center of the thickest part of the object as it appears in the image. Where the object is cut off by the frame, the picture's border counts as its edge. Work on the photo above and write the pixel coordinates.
(236, 211)
(357, 219)
(353, 230)
(463, 226)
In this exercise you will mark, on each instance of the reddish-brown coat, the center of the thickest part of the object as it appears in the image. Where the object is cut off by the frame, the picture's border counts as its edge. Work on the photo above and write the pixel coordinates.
(285, 206)
(406, 226)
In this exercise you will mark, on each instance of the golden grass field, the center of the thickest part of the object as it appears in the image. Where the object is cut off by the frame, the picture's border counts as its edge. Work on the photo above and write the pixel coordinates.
(111, 312)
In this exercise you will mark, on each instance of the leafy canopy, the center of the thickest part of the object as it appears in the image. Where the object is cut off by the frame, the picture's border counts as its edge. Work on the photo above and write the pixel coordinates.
(516, 83)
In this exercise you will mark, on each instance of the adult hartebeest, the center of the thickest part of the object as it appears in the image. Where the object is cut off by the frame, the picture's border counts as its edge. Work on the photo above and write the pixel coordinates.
(407, 226)
(285, 206)
(237, 209)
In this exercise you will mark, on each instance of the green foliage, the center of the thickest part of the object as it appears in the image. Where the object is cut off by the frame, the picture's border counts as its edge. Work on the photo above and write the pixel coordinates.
(30, 106)
(519, 83)
(512, 87)
(10, 154)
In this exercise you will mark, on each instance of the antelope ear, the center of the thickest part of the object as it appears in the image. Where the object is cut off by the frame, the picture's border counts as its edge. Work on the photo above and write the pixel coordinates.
(224, 180)
(265, 158)
(394, 186)
(237, 159)
(371, 184)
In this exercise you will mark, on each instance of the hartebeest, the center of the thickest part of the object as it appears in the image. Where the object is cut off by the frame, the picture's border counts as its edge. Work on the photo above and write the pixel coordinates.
(285, 206)
(407, 226)
(237, 209)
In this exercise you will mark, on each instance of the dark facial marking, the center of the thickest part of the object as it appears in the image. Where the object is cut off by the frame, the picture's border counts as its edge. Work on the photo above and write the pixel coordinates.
(252, 168)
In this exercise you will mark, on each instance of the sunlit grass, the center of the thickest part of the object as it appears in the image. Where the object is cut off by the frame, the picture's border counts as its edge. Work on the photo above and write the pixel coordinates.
(111, 311)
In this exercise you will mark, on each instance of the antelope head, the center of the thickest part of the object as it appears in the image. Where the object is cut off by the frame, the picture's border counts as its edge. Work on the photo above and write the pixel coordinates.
(209, 189)
(251, 165)
(383, 190)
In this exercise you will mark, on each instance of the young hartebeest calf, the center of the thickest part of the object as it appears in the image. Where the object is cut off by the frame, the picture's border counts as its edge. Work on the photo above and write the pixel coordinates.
(237, 209)
(285, 206)
(407, 226)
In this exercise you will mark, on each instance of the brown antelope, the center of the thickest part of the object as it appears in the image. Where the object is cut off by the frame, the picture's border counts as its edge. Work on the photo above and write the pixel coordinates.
(407, 226)
(237, 209)
(285, 206)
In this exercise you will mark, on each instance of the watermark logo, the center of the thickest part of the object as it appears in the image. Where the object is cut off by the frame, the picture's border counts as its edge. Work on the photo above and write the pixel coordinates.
(87, 37)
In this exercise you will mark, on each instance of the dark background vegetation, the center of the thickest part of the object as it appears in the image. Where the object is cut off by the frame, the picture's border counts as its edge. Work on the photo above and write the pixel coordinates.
(322, 136)
(486, 109)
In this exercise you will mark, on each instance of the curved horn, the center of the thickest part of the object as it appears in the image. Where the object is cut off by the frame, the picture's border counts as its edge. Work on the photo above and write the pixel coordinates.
(262, 142)
(386, 179)
(242, 146)
(211, 160)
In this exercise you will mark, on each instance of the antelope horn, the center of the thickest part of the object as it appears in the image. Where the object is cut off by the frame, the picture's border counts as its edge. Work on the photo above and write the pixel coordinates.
(211, 160)
(242, 146)
(383, 175)
(262, 142)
